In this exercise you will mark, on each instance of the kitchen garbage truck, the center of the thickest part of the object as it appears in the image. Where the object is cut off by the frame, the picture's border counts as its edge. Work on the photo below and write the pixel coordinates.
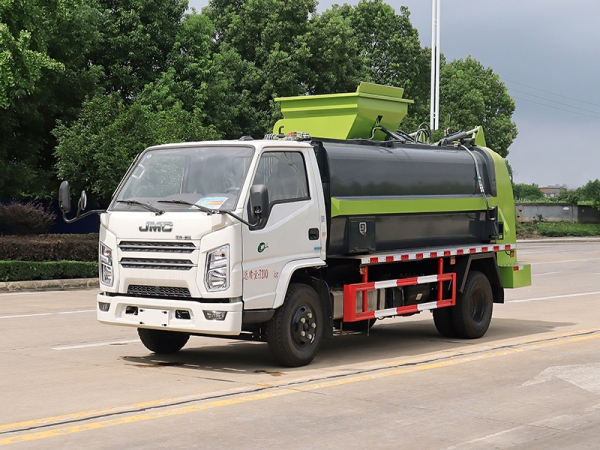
(332, 222)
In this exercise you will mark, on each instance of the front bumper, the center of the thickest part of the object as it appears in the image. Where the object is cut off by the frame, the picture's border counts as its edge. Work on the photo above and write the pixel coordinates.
(173, 315)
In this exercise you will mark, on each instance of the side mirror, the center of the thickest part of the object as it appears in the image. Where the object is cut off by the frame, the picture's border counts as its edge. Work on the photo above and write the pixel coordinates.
(64, 197)
(82, 204)
(259, 203)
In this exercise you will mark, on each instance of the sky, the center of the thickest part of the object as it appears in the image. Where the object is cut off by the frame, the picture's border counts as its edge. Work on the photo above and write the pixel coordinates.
(547, 53)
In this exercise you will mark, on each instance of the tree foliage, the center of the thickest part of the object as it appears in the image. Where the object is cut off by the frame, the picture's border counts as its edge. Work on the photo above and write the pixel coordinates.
(137, 37)
(288, 50)
(472, 95)
(527, 192)
(43, 76)
(391, 52)
(590, 192)
(114, 77)
(95, 152)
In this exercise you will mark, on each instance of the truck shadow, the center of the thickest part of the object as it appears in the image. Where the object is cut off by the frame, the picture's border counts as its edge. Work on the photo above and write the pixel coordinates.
(388, 339)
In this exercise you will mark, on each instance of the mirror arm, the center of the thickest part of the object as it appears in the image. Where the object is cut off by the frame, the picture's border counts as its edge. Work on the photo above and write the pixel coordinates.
(82, 216)
(242, 220)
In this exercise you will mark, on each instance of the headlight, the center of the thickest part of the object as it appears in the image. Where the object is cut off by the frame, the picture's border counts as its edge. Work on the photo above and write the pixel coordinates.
(217, 269)
(106, 267)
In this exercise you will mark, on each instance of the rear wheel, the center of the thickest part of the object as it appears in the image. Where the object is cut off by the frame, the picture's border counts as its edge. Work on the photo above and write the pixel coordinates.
(472, 313)
(162, 341)
(442, 318)
(295, 331)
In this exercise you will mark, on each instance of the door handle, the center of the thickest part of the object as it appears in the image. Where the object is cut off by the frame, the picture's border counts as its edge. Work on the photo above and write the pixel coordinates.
(313, 234)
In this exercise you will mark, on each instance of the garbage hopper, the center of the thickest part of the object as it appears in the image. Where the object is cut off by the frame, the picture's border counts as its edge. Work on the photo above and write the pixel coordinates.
(344, 116)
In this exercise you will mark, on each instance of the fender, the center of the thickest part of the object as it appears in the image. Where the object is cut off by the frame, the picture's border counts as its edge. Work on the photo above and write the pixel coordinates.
(286, 275)
(486, 263)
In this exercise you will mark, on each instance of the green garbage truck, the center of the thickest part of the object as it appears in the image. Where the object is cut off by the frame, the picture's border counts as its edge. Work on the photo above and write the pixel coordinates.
(332, 222)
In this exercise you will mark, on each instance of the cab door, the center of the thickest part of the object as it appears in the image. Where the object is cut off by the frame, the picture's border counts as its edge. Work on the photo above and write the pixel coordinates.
(293, 231)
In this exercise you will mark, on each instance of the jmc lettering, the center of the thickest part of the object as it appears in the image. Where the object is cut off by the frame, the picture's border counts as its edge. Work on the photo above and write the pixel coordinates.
(164, 227)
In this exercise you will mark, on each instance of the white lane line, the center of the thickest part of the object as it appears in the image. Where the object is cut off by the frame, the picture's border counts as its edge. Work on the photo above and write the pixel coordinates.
(40, 292)
(19, 316)
(581, 294)
(95, 344)
(565, 261)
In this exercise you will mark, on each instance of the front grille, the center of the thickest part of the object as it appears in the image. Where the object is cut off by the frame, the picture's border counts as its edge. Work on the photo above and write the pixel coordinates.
(165, 264)
(159, 247)
(158, 291)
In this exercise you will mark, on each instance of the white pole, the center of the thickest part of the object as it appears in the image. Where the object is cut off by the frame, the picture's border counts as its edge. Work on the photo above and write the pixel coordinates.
(432, 92)
(437, 66)
(434, 105)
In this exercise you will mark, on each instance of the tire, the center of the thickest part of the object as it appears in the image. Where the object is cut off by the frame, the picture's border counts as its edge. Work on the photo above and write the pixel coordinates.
(161, 341)
(363, 325)
(295, 332)
(472, 313)
(442, 318)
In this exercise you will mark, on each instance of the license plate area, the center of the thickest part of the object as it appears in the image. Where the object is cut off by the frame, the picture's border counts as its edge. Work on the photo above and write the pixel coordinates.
(153, 317)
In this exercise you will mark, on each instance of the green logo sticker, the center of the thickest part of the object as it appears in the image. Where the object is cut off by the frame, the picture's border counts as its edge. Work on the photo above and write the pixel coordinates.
(262, 247)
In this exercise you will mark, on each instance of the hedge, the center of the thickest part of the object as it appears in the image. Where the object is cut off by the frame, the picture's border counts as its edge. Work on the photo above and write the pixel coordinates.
(25, 218)
(46, 270)
(50, 247)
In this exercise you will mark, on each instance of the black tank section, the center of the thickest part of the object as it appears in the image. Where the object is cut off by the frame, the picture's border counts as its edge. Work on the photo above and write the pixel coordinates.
(389, 170)
(377, 170)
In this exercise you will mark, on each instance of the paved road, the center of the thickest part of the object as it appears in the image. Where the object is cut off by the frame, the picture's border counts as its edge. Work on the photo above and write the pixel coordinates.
(532, 382)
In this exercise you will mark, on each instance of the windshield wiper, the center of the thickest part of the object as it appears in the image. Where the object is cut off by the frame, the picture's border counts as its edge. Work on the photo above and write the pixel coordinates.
(208, 211)
(145, 205)
(200, 207)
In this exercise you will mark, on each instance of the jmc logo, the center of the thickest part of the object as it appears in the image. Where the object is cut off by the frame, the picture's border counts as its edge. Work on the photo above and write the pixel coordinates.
(165, 227)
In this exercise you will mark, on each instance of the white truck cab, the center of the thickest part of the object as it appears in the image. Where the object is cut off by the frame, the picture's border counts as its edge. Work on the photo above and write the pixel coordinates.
(174, 253)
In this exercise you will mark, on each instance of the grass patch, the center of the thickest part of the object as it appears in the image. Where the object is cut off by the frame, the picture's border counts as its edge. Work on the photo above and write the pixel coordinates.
(557, 229)
(46, 270)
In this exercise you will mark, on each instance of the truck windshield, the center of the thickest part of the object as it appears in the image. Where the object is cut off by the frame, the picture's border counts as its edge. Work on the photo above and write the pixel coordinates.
(172, 179)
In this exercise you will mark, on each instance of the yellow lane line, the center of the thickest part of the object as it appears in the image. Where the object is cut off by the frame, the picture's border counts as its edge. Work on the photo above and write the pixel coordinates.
(532, 344)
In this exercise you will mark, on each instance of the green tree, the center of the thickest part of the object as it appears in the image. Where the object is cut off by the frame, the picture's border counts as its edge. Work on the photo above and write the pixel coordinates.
(527, 192)
(391, 52)
(205, 81)
(43, 76)
(472, 95)
(137, 37)
(333, 63)
(591, 192)
(286, 49)
(95, 151)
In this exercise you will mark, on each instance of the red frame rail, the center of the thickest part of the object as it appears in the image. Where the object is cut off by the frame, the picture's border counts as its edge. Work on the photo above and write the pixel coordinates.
(351, 290)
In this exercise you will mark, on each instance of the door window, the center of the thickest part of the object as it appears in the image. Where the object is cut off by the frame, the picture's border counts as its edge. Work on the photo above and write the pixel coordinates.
(284, 175)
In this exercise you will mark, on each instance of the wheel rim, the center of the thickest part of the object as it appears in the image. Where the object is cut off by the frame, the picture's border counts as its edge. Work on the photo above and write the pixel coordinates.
(304, 327)
(478, 306)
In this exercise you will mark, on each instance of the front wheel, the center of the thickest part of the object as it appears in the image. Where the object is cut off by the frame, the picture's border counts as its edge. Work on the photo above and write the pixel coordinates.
(472, 313)
(162, 341)
(294, 333)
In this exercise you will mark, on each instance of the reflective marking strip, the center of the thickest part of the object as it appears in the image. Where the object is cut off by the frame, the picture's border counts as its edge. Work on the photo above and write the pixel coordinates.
(517, 268)
(352, 299)
(427, 306)
(386, 284)
(386, 312)
(437, 253)
(427, 279)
